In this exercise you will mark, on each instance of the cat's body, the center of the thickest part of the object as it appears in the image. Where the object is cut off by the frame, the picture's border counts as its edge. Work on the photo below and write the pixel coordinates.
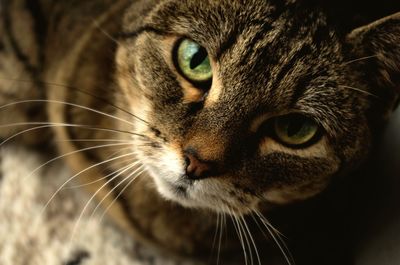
(268, 59)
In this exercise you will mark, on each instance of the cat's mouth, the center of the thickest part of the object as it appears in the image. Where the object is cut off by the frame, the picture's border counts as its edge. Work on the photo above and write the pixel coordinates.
(205, 194)
(179, 189)
(213, 193)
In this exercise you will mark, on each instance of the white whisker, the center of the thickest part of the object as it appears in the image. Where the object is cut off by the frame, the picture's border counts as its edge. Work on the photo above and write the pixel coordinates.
(105, 33)
(94, 140)
(50, 84)
(252, 240)
(100, 179)
(71, 153)
(67, 104)
(222, 223)
(360, 59)
(277, 239)
(215, 233)
(239, 233)
(245, 236)
(359, 90)
(52, 125)
(265, 220)
(120, 193)
(93, 196)
(119, 184)
(76, 175)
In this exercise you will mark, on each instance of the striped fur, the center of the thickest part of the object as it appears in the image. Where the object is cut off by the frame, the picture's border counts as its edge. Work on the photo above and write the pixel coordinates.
(269, 58)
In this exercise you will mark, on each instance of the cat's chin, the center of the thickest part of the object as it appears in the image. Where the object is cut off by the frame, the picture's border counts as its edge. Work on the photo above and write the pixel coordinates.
(176, 191)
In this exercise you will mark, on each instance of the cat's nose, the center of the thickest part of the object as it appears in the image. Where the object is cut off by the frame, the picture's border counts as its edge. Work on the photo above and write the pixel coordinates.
(196, 169)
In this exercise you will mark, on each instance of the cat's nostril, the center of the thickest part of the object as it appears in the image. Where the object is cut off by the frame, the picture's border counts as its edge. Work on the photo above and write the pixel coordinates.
(195, 168)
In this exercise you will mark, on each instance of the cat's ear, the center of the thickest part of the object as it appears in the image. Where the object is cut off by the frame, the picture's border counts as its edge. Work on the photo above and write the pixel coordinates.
(379, 44)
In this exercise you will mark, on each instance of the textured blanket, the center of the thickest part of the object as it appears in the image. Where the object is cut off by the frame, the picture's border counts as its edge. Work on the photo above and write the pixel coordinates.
(32, 235)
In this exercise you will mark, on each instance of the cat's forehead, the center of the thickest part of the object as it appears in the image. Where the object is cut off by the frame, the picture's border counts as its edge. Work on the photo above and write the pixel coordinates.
(248, 28)
(213, 22)
(270, 55)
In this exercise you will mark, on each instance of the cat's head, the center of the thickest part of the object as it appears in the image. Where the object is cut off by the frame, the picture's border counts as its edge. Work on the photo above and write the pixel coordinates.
(242, 102)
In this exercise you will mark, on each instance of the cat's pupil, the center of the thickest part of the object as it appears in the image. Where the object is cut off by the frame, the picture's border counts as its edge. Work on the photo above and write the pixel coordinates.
(294, 127)
(198, 58)
(193, 62)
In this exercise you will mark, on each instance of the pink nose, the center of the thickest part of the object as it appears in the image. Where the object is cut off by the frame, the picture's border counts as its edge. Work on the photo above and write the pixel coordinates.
(195, 168)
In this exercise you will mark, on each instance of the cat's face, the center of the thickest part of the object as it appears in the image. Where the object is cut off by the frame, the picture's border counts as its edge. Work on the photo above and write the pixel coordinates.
(243, 101)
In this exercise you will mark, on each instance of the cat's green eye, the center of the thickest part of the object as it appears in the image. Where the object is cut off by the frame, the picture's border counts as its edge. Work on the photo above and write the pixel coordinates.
(295, 129)
(193, 61)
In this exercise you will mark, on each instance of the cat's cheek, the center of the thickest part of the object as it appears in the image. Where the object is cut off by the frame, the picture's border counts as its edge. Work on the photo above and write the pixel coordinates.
(166, 169)
(286, 196)
(301, 190)
(172, 161)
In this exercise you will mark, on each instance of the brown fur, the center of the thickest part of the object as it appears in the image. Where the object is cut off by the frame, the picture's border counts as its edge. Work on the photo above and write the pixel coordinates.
(269, 58)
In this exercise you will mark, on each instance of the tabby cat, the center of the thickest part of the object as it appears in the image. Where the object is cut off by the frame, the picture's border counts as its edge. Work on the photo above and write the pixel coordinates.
(189, 111)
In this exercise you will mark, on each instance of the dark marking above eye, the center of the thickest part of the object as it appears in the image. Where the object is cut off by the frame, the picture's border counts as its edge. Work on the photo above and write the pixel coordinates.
(299, 55)
(259, 36)
(228, 43)
(300, 88)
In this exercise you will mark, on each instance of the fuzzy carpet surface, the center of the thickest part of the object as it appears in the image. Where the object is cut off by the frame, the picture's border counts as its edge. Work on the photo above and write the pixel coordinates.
(30, 235)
